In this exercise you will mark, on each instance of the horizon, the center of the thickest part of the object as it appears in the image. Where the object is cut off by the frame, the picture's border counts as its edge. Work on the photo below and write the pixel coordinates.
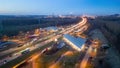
(47, 7)
(58, 14)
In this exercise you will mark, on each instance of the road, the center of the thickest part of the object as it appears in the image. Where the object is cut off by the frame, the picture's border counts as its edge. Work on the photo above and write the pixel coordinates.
(18, 49)
(31, 61)
(85, 59)
(79, 25)
(23, 47)
(66, 31)
(56, 64)
(90, 53)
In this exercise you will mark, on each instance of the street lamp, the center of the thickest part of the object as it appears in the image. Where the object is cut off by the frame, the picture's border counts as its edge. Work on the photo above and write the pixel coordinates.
(56, 40)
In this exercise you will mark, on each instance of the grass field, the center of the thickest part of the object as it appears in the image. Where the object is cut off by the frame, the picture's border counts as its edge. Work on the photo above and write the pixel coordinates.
(44, 61)
(70, 59)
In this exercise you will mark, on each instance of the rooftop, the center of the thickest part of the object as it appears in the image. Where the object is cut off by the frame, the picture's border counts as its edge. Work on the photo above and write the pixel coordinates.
(51, 28)
(76, 41)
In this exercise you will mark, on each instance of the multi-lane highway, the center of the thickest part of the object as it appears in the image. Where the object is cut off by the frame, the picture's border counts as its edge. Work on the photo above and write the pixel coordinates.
(16, 52)
(76, 26)
(66, 31)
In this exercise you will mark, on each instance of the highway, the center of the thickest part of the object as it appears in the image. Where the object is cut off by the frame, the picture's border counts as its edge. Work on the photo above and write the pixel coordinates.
(31, 61)
(24, 46)
(66, 31)
(79, 25)
(18, 49)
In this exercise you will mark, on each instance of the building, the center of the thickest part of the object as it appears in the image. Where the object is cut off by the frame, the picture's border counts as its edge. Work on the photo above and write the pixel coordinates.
(75, 43)
(51, 29)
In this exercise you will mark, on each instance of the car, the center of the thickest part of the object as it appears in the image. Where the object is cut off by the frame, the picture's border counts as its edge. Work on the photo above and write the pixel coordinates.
(20, 45)
(27, 50)
(5, 61)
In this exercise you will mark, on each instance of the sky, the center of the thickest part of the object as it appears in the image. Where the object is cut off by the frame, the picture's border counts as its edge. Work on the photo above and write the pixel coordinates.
(48, 7)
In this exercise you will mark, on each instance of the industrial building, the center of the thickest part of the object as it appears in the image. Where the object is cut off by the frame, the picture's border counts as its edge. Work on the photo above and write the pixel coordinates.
(75, 43)
(52, 29)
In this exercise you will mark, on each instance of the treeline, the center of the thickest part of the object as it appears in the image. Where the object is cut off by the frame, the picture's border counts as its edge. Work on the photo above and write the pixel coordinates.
(12, 26)
(19, 22)
(110, 26)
